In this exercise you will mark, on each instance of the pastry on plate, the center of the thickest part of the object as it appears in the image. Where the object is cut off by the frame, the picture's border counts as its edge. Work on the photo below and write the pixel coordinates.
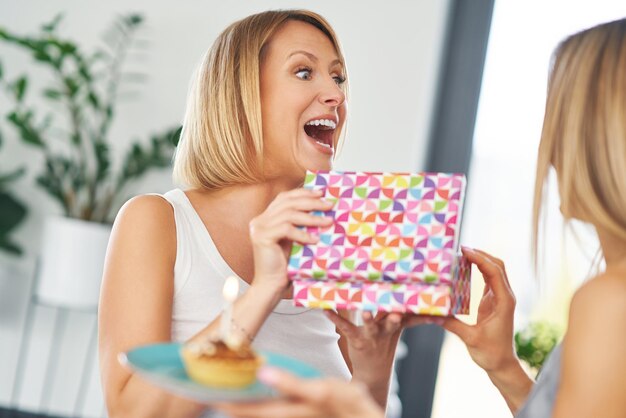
(216, 364)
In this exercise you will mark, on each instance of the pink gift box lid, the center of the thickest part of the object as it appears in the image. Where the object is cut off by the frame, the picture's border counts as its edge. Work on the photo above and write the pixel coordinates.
(388, 227)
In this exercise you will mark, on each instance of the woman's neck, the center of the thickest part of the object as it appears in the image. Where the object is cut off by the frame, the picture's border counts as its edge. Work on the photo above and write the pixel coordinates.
(613, 249)
(245, 201)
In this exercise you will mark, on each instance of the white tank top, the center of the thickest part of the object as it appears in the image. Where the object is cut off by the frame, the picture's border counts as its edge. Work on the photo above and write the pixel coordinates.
(199, 275)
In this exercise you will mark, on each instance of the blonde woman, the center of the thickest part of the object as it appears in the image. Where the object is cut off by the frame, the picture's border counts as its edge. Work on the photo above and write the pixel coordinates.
(268, 102)
(584, 140)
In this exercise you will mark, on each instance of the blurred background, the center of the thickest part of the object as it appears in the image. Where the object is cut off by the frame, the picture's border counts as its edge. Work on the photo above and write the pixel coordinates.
(447, 85)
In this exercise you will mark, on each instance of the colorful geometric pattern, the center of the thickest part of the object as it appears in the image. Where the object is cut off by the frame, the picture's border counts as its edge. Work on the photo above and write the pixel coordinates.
(390, 229)
(417, 298)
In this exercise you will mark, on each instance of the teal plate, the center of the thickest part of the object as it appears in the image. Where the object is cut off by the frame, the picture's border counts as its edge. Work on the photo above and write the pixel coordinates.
(162, 366)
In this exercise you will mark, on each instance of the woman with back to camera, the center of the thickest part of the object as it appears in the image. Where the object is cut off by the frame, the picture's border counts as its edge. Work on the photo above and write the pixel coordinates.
(268, 102)
(584, 140)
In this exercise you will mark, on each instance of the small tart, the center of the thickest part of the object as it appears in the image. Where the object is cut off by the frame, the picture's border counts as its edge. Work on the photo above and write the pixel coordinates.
(216, 364)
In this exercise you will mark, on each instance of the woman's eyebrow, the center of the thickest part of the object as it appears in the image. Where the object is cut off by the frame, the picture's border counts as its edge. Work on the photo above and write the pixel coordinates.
(312, 57)
(307, 54)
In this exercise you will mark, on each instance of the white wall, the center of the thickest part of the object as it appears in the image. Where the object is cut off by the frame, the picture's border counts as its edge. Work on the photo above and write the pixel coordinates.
(392, 50)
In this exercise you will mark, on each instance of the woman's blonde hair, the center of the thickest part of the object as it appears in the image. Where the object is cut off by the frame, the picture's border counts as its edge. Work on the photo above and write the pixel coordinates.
(221, 143)
(584, 130)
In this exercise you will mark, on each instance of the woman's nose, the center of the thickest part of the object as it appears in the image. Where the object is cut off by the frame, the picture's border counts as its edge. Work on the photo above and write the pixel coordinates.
(332, 95)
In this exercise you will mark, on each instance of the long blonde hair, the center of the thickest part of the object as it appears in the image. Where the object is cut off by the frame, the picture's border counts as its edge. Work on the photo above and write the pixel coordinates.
(584, 130)
(221, 143)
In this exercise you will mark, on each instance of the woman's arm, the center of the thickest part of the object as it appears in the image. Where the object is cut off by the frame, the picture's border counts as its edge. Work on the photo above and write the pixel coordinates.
(490, 340)
(272, 233)
(370, 349)
(593, 367)
(136, 307)
(302, 398)
(137, 291)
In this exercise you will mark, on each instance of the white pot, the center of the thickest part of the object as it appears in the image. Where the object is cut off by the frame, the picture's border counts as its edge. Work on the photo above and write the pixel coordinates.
(72, 261)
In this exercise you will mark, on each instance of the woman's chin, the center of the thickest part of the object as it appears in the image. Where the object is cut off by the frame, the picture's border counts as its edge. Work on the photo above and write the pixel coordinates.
(319, 166)
(317, 162)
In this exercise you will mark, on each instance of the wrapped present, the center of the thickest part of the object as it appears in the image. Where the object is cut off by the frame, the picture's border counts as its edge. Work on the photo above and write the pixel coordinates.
(393, 245)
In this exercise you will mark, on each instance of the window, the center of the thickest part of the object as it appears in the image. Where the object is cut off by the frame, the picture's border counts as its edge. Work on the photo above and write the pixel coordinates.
(501, 181)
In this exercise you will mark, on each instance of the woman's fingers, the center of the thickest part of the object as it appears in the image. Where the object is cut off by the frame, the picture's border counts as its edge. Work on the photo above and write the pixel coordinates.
(298, 218)
(313, 391)
(287, 228)
(370, 324)
(498, 263)
(306, 202)
(301, 398)
(462, 330)
(274, 409)
(492, 271)
(278, 224)
(292, 388)
(411, 320)
(347, 328)
(392, 323)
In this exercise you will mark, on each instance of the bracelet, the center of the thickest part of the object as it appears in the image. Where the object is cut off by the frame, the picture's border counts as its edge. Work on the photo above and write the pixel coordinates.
(235, 326)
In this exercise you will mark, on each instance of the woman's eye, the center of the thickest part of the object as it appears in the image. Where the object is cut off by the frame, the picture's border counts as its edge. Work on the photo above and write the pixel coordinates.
(304, 74)
(339, 79)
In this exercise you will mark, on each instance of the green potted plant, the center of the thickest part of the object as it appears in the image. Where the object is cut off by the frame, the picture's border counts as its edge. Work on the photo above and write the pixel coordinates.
(535, 342)
(73, 140)
(12, 211)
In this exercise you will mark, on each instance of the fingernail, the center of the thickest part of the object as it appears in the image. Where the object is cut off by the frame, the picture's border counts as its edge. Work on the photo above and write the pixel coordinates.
(434, 321)
(268, 375)
(468, 249)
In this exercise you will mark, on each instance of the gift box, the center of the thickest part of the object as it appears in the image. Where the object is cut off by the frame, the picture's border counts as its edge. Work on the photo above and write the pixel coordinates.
(393, 245)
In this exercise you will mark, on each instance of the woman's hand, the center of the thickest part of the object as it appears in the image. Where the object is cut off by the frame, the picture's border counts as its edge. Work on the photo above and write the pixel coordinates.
(321, 398)
(274, 230)
(371, 349)
(272, 233)
(490, 340)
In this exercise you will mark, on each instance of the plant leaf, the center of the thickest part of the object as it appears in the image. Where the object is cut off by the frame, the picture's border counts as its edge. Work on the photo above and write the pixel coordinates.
(71, 85)
(9, 247)
(10, 177)
(28, 133)
(19, 88)
(12, 212)
(134, 19)
(175, 135)
(52, 25)
(93, 99)
(52, 94)
(103, 163)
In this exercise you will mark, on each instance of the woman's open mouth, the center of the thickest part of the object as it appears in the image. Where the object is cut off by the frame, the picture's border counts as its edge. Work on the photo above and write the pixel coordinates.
(322, 132)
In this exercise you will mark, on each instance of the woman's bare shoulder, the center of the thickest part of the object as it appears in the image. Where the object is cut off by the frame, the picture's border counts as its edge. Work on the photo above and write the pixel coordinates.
(605, 293)
(598, 309)
(593, 364)
(148, 207)
(147, 221)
